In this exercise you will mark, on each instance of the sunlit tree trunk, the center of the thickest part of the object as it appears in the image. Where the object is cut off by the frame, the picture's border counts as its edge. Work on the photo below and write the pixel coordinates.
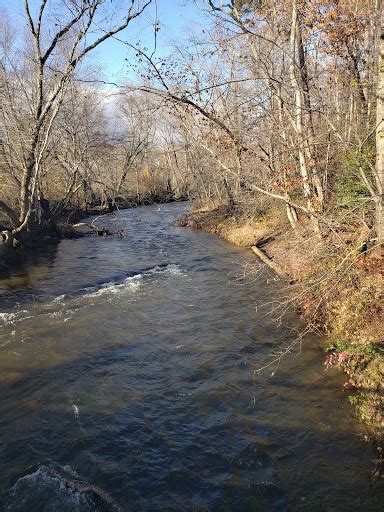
(298, 118)
(308, 116)
(380, 134)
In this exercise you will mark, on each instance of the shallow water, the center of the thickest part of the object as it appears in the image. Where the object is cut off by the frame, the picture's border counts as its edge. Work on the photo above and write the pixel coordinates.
(128, 365)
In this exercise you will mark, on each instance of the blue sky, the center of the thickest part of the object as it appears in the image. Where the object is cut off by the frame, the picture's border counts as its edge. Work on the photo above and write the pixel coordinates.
(177, 18)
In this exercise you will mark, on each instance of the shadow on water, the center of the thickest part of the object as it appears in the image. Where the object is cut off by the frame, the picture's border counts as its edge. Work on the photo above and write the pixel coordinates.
(150, 438)
(25, 268)
(132, 380)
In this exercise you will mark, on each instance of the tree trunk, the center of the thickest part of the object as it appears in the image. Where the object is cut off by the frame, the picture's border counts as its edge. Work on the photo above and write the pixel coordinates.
(380, 135)
(25, 192)
(317, 182)
(353, 65)
(298, 123)
(292, 216)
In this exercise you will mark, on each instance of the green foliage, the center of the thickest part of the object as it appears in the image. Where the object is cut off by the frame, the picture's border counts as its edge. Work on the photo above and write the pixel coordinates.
(367, 350)
(369, 406)
(349, 186)
(364, 365)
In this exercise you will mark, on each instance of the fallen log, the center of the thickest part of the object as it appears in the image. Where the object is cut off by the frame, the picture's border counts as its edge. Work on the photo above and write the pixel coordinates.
(265, 258)
(264, 240)
(98, 231)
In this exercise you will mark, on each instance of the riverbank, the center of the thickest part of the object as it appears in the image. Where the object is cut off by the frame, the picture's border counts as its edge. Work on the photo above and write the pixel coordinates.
(338, 293)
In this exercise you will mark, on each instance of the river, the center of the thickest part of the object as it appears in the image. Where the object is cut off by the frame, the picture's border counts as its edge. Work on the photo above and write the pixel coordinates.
(128, 364)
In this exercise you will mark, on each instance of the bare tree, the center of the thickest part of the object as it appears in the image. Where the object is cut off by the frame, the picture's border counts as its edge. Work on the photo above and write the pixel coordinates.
(379, 174)
(54, 62)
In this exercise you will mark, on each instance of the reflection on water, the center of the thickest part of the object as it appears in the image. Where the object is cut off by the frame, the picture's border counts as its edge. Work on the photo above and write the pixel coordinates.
(128, 365)
(28, 268)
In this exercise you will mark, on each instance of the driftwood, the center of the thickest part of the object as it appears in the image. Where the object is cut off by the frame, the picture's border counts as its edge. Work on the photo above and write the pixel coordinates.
(264, 240)
(98, 231)
(267, 260)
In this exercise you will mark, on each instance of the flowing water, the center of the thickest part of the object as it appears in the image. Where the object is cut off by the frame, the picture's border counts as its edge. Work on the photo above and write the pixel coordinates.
(128, 365)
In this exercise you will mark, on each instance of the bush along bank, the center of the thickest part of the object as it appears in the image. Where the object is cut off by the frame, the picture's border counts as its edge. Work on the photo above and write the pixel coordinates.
(337, 288)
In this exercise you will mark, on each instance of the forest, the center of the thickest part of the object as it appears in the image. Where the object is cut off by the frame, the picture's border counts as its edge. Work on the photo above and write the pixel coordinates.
(269, 118)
